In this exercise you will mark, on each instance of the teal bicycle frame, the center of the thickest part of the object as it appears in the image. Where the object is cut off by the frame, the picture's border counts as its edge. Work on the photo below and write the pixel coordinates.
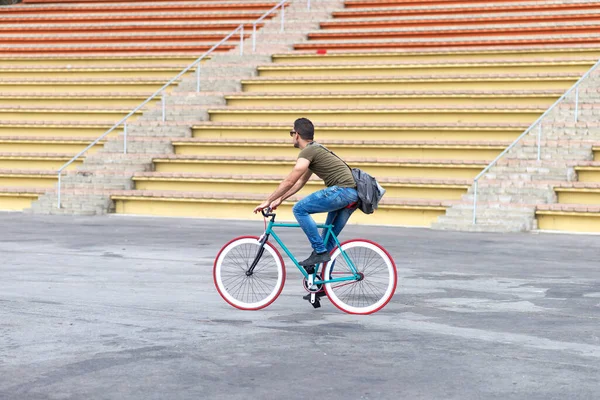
(270, 232)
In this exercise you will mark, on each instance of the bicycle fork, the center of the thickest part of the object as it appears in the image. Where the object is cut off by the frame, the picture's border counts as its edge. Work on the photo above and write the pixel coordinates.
(261, 250)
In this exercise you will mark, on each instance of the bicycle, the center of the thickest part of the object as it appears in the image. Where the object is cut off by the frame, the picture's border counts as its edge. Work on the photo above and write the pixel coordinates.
(249, 272)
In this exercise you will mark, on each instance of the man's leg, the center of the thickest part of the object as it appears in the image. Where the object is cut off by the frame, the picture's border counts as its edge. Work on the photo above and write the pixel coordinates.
(325, 200)
(338, 219)
(302, 211)
(331, 217)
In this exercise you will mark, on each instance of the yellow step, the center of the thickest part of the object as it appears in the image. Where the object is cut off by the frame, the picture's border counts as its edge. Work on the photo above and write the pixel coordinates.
(266, 185)
(27, 179)
(158, 73)
(380, 115)
(578, 195)
(435, 56)
(398, 70)
(413, 132)
(588, 173)
(569, 218)
(111, 115)
(99, 60)
(99, 100)
(282, 166)
(40, 145)
(418, 150)
(596, 151)
(334, 84)
(36, 162)
(16, 86)
(17, 200)
(51, 130)
(382, 99)
(387, 214)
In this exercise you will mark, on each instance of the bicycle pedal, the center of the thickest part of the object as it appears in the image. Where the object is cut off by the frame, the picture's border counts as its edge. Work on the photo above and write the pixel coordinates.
(315, 300)
(310, 269)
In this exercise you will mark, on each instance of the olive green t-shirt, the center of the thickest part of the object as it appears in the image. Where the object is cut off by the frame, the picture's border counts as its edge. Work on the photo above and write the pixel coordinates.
(327, 166)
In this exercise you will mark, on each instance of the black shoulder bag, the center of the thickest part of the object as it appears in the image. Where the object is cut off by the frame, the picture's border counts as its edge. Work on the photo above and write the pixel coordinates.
(369, 190)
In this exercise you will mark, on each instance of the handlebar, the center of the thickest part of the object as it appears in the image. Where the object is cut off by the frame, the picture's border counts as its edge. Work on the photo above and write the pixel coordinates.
(268, 212)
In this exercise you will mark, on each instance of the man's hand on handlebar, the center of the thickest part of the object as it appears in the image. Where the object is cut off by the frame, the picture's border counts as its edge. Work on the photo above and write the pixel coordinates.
(262, 206)
(267, 212)
(268, 206)
(275, 203)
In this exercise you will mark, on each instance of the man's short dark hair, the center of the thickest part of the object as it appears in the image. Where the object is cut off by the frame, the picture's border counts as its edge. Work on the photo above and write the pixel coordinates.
(305, 128)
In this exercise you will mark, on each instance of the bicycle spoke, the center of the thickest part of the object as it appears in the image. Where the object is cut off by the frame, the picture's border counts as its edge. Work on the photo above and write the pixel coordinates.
(234, 281)
(248, 291)
(373, 290)
(343, 284)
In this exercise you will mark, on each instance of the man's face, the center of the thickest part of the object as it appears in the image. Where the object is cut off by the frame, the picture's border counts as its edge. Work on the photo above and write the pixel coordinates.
(295, 136)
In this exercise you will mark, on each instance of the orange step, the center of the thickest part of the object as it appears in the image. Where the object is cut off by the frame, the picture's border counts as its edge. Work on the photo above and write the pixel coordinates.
(556, 30)
(90, 29)
(440, 44)
(453, 22)
(136, 8)
(179, 49)
(98, 19)
(411, 3)
(119, 39)
(102, 1)
(466, 10)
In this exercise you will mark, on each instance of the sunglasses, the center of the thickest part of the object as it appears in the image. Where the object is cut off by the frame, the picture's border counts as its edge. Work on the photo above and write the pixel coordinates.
(292, 133)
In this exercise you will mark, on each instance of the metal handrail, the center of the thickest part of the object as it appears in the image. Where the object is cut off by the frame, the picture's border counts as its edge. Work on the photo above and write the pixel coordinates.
(123, 121)
(258, 21)
(538, 123)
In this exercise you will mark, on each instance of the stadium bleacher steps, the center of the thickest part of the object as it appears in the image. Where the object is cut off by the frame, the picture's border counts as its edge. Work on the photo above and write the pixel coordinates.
(428, 108)
(86, 190)
(427, 131)
(416, 98)
(431, 162)
(436, 189)
(395, 212)
(437, 55)
(56, 97)
(556, 193)
(70, 145)
(16, 199)
(139, 28)
(578, 203)
(97, 60)
(423, 94)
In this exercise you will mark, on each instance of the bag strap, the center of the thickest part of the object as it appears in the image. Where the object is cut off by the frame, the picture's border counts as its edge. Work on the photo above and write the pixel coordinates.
(319, 144)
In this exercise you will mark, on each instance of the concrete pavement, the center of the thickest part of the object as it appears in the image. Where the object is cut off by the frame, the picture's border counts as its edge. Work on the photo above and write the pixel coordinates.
(125, 308)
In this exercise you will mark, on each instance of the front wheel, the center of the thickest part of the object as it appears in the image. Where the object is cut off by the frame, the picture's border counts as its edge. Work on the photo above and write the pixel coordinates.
(244, 291)
(377, 280)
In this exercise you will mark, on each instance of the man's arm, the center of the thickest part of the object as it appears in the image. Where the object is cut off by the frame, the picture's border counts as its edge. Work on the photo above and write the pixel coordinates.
(288, 183)
(299, 185)
(299, 169)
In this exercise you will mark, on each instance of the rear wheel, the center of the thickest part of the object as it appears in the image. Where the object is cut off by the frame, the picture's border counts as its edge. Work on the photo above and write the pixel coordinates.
(243, 291)
(377, 280)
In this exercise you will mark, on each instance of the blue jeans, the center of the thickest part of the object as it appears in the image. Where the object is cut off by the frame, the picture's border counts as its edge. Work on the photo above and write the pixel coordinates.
(333, 200)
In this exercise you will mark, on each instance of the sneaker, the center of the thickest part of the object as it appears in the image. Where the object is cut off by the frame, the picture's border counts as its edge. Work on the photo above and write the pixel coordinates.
(317, 295)
(315, 258)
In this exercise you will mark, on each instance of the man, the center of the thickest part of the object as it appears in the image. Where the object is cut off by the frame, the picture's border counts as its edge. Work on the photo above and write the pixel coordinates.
(338, 199)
